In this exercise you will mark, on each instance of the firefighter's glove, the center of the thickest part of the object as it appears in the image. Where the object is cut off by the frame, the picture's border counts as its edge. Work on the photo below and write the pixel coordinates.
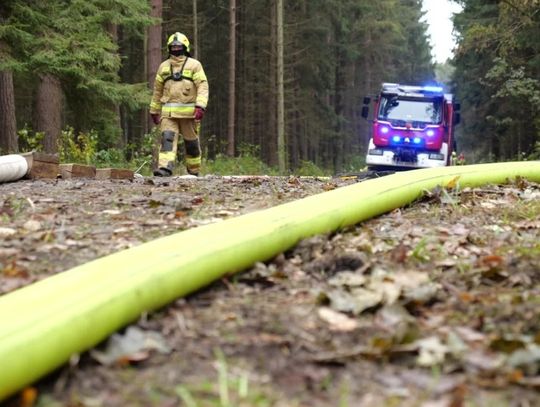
(155, 117)
(199, 113)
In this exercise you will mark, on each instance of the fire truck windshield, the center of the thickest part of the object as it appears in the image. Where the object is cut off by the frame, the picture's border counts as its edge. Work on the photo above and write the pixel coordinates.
(399, 110)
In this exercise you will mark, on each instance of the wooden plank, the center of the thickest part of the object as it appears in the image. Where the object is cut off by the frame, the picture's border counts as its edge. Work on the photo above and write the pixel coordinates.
(77, 171)
(41, 165)
(114, 173)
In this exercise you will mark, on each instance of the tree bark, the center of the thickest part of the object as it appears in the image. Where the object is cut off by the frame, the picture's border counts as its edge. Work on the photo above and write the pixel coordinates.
(232, 81)
(280, 90)
(112, 29)
(272, 101)
(8, 123)
(153, 51)
(195, 47)
(48, 111)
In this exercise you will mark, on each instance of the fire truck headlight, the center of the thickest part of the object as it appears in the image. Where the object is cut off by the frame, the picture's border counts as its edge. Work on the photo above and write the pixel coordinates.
(430, 133)
(384, 130)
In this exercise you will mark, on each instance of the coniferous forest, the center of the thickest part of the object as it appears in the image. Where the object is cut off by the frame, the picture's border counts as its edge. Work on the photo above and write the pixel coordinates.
(285, 77)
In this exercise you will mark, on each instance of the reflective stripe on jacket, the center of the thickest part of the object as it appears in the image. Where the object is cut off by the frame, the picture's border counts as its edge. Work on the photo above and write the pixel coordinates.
(179, 86)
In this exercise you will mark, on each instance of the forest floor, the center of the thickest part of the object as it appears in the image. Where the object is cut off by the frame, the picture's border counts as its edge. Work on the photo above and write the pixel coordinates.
(434, 305)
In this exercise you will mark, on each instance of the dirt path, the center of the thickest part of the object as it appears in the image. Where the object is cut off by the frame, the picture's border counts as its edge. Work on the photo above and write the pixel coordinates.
(437, 304)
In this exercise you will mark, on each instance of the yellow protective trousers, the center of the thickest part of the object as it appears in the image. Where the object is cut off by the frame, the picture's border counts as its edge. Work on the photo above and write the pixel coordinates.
(171, 128)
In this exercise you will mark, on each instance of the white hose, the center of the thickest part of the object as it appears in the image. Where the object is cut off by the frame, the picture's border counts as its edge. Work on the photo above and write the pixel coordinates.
(12, 167)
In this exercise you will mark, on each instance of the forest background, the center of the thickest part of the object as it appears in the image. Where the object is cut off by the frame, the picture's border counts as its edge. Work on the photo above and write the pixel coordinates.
(286, 79)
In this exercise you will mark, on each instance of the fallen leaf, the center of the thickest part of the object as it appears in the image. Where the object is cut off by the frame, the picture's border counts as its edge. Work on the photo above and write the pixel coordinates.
(485, 361)
(453, 183)
(356, 301)
(197, 200)
(436, 384)
(397, 320)
(399, 253)
(7, 232)
(470, 335)
(337, 320)
(111, 212)
(421, 294)
(492, 261)
(527, 359)
(431, 351)
(32, 225)
(507, 345)
(133, 346)
(12, 269)
(329, 187)
(487, 205)
(28, 397)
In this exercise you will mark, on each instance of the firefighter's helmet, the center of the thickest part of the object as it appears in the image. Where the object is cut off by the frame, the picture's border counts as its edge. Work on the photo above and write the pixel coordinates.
(179, 39)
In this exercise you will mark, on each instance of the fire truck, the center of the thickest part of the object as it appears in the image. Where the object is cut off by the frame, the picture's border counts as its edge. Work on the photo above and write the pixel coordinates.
(412, 127)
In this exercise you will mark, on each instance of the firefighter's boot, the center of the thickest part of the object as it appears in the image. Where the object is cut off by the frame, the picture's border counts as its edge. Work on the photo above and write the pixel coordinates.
(162, 172)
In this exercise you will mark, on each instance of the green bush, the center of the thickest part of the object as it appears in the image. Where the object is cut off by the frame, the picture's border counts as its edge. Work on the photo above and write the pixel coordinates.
(141, 156)
(112, 157)
(79, 148)
(242, 165)
(310, 169)
(535, 155)
(355, 164)
(247, 163)
(30, 140)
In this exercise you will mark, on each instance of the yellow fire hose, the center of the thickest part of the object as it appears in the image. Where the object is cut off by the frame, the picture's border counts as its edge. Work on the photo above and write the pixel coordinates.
(44, 324)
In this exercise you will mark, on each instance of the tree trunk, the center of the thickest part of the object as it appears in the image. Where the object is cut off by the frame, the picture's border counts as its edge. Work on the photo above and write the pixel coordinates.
(368, 86)
(153, 51)
(195, 47)
(339, 89)
(272, 101)
(112, 29)
(232, 76)
(8, 123)
(280, 90)
(48, 111)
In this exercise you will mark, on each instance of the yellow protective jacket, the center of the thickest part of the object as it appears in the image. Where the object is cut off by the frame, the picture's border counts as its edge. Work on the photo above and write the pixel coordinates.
(180, 85)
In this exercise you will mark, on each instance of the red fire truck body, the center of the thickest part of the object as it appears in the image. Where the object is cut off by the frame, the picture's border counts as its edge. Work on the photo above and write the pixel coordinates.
(412, 127)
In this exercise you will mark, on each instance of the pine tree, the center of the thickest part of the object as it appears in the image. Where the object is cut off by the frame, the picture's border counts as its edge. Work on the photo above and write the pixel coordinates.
(68, 44)
(497, 69)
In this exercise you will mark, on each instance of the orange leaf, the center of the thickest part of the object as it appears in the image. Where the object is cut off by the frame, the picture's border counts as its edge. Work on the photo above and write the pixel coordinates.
(12, 269)
(492, 261)
(466, 297)
(515, 376)
(452, 183)
(28, 397)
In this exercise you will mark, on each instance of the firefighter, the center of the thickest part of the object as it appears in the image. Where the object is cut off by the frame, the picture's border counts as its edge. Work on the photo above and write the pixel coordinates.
(178, 105)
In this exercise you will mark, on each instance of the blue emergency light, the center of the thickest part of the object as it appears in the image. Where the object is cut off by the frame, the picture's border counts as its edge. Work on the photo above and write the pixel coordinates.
(437, 89)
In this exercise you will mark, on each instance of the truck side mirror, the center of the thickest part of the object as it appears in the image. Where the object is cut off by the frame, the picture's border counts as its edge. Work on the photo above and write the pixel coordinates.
(367, 100)
(365, 111)
(457, 107)
(457, 118)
